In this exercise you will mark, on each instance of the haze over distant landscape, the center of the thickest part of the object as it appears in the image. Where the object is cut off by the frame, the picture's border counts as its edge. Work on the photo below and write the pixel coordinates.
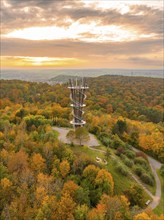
(82, 34)
(62, 75)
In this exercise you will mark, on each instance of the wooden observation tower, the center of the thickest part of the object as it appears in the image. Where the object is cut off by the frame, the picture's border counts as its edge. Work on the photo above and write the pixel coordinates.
(77, 96)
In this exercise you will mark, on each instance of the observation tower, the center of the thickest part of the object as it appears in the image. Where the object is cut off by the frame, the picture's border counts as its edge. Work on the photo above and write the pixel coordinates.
(77, 96)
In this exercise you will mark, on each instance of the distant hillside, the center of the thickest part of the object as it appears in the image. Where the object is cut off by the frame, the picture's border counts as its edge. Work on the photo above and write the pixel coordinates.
(62, 79)
(48, 75)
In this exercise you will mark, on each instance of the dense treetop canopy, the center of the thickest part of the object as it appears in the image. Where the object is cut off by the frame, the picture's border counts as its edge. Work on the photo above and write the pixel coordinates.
(42, 178)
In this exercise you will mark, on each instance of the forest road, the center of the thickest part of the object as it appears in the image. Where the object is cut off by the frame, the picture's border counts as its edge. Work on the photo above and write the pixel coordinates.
(154, 164)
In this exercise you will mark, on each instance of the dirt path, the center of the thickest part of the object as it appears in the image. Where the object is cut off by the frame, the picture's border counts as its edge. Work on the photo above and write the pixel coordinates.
(63, 132)
(153, 163)
(132, 175)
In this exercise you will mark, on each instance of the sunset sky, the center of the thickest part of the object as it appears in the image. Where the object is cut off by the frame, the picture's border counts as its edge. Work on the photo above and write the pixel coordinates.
(82, 34)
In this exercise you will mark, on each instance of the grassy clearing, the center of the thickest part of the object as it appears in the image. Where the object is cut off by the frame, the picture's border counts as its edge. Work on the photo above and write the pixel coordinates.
(121, 182)
(160, 208)
(84, 149)
(152, 189)
(100, 147)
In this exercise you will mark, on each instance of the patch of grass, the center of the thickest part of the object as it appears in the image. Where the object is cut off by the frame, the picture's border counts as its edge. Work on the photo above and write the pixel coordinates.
(100, 147)
(160, 208)
(140, 169)
(84, 149)
(121, 183)
(56, 134)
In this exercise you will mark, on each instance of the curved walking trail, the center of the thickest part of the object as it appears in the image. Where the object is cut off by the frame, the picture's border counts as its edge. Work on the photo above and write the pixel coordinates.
(154, 164)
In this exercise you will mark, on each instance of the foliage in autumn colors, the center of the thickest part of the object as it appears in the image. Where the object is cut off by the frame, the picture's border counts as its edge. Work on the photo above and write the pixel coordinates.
(43, 178)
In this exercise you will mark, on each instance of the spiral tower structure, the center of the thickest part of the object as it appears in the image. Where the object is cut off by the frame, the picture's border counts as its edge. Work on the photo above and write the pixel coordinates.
(78, 96)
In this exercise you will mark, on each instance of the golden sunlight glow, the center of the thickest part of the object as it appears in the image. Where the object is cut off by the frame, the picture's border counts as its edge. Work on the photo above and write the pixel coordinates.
(24, 61)
(84, 32)
(79, 37)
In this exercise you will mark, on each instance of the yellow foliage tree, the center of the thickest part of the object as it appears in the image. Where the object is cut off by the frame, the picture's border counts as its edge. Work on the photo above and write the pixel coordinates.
(18, 163)
(105, 180)
(70, 188)
(37, 163)
(90, 172)
(142, 216)
(92, 214)
(65, 208)
(45, 181)
(6, 183)
(64, 168)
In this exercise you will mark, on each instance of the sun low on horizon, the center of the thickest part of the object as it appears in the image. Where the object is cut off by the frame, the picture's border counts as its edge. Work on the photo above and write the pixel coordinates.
(82, 34)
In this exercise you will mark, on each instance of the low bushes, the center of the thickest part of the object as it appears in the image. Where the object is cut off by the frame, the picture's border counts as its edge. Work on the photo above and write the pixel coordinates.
(120, 151)
(141, 161)
(130, 154)
(162, 170)
(141, 155)
(145, 177)
(138, 170)
(138, 162)
(122, 170)
(128, 162)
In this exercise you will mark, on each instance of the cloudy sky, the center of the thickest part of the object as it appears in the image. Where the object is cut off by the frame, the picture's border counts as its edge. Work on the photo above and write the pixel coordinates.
(82, 34)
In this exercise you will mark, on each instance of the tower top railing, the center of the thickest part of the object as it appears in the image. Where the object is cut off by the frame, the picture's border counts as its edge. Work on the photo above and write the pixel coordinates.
(78, 84)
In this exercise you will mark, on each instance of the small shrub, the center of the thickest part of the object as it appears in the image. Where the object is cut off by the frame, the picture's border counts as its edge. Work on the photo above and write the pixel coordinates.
(128, 162)
(138, 170)
(147, 179)
(115, 162)
(130, 154)
(122, 170)
(142, 155)
(123, 157)
(141, 161)
(135, 194)
(162, 170)
(117, 142)
(120, 151)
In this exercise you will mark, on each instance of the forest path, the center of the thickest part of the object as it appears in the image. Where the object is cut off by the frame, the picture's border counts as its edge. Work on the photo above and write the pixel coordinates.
(63, 133)
(155, 199)
(153, 163)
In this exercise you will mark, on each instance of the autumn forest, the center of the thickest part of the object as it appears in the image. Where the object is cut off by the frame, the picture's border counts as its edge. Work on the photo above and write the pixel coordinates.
(43, 178)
